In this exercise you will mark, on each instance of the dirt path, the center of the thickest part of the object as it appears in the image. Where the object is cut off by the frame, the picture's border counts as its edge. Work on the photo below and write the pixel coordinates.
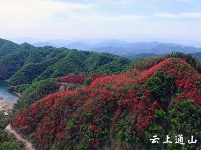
(27, 143)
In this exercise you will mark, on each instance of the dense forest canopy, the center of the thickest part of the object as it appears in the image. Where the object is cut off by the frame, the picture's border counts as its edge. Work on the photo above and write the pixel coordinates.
(113, 103)
(122, 111)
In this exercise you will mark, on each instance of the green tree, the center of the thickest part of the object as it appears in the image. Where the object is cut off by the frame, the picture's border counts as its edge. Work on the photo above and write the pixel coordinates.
(87, 82)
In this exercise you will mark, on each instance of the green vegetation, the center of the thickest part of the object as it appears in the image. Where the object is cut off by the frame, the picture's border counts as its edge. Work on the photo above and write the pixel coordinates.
(143, 64)
(121, 111)
(8, 142)
(161, 84)
(26, 64)
(114, 67)
(87, 82)
(32, 71)
(36, 91)
(7, 47)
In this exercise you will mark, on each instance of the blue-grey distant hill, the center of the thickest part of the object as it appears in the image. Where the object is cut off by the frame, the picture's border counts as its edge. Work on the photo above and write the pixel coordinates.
(197, 55)
(146, 47)
(141, 55)
(42, 44)
(125, 48)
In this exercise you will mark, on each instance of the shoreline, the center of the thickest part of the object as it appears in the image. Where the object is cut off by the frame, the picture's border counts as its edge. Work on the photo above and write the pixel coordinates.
(7, 106)
(16, 93)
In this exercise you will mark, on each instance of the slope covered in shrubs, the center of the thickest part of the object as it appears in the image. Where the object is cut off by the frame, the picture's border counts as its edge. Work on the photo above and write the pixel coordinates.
(77, 78)
(63, 63)
(121, 111)
(37, 90)
(25, 64)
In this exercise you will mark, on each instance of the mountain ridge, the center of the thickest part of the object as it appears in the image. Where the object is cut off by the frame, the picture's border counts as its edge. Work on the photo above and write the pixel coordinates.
(149, 48)
(114, 108)
(124, 48)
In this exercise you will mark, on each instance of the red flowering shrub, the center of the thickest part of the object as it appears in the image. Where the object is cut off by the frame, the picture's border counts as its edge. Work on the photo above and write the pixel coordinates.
(78, 78)
(113, 108)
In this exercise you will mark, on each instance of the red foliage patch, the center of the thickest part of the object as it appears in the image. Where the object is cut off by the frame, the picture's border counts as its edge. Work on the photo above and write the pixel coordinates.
(77, 78)
(90, 110)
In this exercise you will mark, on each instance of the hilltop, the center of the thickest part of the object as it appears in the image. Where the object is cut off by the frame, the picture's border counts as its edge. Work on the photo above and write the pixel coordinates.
(122, 111)
(30, 69)
(19, 61)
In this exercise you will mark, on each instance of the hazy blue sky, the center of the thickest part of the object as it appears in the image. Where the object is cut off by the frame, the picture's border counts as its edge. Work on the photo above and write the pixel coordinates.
(116, 19)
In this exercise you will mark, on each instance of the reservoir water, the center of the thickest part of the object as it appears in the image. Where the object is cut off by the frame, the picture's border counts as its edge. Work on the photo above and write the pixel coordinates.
(5, 94)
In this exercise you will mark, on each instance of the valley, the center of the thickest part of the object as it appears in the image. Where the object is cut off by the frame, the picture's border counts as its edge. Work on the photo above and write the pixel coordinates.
(73, 99)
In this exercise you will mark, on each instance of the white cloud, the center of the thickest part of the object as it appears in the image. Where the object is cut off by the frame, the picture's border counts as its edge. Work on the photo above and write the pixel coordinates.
(27, 12)
(180, 15)
(102, 18)
(112, 2)
(167, 15)
(191, 15)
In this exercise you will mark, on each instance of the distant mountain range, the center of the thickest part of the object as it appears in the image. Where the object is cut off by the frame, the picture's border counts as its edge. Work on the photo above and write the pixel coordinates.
(129, 50)
(125, 48)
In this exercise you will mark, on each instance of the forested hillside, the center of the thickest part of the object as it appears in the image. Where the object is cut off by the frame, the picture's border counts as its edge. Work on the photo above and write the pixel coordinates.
(31, 70)
(8, 142)
(21, 60)
(23, 64)
(160, 96)
(197, 55)
(113, 102)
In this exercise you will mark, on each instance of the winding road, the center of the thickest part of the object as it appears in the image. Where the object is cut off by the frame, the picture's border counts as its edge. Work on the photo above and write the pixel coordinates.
(18, 137)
